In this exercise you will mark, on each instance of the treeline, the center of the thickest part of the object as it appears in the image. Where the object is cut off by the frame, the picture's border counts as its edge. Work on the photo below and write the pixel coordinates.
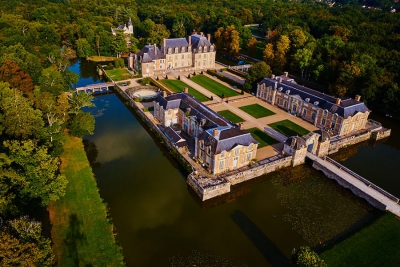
(37, 109)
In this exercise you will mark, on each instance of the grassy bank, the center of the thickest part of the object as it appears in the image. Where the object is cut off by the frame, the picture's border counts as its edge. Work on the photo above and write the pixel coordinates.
(100, 58)
(119, 74)
(81, 232)
(376, 245)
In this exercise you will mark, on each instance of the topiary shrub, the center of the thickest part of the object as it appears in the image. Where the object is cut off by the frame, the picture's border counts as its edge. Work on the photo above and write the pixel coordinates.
(179, 77)
(305, 257)
(166, 77)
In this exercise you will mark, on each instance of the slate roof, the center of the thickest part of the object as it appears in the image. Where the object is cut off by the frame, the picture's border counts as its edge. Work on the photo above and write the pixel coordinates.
(175, 137)
(347, 107)
(295, 142)
(148, 53)
(229, 135)
(198, 40)
(175, 42)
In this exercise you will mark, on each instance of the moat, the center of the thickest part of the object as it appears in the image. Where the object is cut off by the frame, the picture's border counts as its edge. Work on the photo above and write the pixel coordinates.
(158, 217)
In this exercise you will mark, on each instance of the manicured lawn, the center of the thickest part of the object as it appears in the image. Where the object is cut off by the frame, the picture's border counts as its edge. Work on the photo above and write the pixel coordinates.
(118, 74)
(81, 232)
(375, 245)
(100, 59)
(263, 138)
(289, 128)
(213, 86)
(230, 116)
(178, 86)
(257, 111)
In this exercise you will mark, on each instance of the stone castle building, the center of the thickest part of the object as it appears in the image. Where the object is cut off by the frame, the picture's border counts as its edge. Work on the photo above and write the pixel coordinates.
(125, 29)
(219, 145)
(196, 53)
(337, 116)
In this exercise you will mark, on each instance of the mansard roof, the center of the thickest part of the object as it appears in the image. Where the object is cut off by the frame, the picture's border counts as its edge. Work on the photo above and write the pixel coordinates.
(229, 134)
(150, 53)
(175, 42)
(347, 107)
(199, 40)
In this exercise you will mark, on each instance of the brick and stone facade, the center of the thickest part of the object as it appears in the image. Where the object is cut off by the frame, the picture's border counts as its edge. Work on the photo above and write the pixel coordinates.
(339, 117)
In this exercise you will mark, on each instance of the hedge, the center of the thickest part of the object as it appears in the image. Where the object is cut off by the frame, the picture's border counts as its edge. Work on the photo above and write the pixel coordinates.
(225, 79)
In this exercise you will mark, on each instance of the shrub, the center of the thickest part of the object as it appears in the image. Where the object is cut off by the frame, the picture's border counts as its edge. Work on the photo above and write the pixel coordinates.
(179, 77)
(148, 109)
(211, 98)
(166, 77)
(146, 80)
(305, 257)
(119, 63)
(189, 76)
(157, 78)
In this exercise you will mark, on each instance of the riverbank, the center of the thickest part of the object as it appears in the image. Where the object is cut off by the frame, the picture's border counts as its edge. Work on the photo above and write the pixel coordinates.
(375, 245)
(81, 231)
(100, 58)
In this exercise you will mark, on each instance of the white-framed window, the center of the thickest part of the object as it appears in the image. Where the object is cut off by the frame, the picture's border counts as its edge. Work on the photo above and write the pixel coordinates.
(222, 154)
(236, 152)
(221, 164)
(250, 148)
(209, 150)
(248, 157)
(201, 144)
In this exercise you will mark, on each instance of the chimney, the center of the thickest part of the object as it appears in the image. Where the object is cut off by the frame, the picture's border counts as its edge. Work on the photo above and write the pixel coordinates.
(241, 126)
(280, 79)
(190, 40)
(165, 46)
(215, 132)
(164, 94)
(273, 76)
(155, 49)
(338, 100)
(358, 97)
(208, 37)
(286, 74)
(186, 90)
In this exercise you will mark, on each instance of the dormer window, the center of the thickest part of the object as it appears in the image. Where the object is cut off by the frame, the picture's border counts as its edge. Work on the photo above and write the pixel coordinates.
(223, 154)
(316, 103)
(200, 49)
(211, 48)
(205, 49)
(182, 49)
(170, 50)
(307, 100)
(280, 89)
(287, 92)
(250, 147)
(176, 49)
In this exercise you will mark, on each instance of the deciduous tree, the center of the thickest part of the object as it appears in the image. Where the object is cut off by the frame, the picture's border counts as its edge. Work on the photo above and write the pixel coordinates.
(256, 73)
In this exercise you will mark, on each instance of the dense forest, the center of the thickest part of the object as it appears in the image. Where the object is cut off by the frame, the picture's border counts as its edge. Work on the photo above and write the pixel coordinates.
(345, 47)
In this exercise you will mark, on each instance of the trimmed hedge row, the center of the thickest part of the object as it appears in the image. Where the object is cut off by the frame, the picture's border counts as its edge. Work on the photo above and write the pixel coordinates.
(238, 73)
(225, 79)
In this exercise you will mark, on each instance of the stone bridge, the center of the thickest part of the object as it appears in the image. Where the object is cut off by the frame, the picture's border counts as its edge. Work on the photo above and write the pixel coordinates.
(360, 186)
(92, 88)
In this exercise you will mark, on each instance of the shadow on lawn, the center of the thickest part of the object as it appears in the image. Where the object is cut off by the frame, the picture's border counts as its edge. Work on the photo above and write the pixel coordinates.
(74, 237)
(286, 131)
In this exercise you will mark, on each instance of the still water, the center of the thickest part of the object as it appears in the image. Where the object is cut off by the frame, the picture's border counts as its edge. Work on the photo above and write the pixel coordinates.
(161, 222)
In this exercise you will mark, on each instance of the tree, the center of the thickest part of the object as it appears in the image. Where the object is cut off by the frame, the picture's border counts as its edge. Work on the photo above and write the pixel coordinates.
(157, 34)
(21, 244)
(79, 101)
(305, 257)
(252, 46)
(83, 48)
(10, 72)
(17, 116)
(269, 54)
(82, 124)
(119, 43)
(282, 47)
(39, 177)
(256, 73)
(52, 81)
(303, 57)
(228, 38)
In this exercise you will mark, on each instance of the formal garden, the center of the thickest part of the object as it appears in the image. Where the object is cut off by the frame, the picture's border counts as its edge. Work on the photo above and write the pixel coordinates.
(178, 86)
(257, 111)
(263, 138)
(213, 86)
(288, 128)
(230, 116)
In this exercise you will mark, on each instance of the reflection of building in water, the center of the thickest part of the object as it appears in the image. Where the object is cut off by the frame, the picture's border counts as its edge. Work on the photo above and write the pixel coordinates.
(347, 152)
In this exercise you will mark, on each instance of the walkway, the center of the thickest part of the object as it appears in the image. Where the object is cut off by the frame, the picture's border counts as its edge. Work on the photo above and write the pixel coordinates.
(390, 201)
(95, 87)
(278, 136)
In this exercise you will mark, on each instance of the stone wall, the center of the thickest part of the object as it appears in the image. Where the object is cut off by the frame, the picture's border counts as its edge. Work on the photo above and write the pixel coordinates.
(346, 184)
(207, 188)
(258, 170)
(378, 135)
(336, 145)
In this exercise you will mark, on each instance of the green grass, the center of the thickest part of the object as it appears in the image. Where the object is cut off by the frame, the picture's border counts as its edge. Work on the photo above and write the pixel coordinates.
(263, 138)
(81, 232)
(289, 128)
(178, 86)
(213, 86)
(118, 74)
(257, 111)
(375, 245)
(230, 116)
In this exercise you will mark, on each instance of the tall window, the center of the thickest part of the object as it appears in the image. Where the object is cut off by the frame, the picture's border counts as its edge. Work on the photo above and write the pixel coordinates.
(323, 121)
(221, 164)
(304, 112)
(236, 152)
(248, 156)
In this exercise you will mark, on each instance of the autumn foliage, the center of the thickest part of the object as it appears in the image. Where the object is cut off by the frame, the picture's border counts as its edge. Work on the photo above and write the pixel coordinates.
(10, 72)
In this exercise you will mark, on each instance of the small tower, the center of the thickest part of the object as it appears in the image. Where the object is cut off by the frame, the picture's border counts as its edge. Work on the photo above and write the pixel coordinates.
(130, 26)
